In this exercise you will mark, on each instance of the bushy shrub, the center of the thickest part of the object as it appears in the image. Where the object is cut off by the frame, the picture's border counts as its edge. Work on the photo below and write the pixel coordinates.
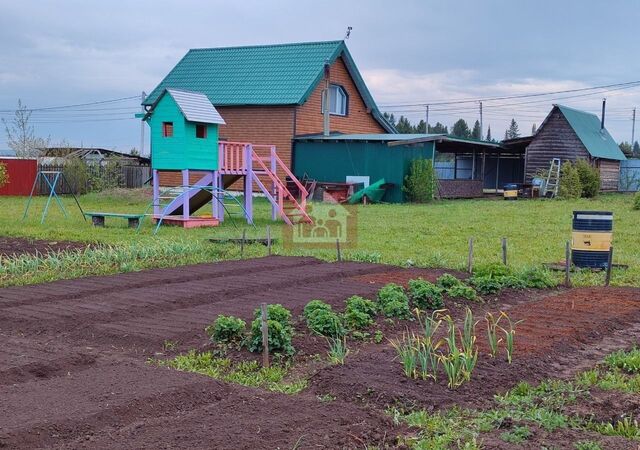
(315, 305)
(636, 201)
(487, 284)
(77, 174)
(4, 175)
(280, 330)
(326, 323)
(421, 184)
(570, 186)
(495, 270)
(447, 281)
(425, 295)
(226, 329)
(462, 291)
(359, 313)
(394, 302)
(589, 178)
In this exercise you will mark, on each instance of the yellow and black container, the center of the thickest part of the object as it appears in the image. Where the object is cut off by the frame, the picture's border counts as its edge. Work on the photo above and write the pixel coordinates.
(591, 238)
(510, 191)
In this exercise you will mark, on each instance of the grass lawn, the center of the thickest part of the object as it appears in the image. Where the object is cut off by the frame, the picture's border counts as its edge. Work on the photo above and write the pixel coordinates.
(434, 235)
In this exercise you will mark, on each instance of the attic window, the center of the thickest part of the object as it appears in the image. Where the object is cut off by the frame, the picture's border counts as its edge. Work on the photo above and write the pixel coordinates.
(167, 129)
(338, 100)
(201, 131)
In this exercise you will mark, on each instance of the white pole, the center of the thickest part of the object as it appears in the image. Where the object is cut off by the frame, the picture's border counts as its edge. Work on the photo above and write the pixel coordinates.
(142, 97)
(426, 125)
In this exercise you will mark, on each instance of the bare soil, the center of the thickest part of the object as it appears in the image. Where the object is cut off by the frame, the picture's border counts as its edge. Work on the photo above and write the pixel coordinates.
(73, 370)
(10, 246)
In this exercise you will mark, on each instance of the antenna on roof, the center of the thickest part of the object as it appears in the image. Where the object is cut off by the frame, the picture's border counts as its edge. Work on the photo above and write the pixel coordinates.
(346, 36)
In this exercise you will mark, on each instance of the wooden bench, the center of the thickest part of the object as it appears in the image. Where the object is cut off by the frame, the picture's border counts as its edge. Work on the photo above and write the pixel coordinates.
(97, 218)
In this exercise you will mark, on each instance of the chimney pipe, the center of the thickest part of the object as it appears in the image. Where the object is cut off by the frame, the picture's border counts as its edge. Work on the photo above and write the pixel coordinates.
(327, 98)
(604, 105)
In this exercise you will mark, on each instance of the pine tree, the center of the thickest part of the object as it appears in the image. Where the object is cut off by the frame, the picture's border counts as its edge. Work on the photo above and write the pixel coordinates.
(534, 128)
(626, 148)
(421, 127)
(404, 126)
(506, 135)
(636, 150)
(488, 138)
(513, 131)
(476, 133)
(390, 118)
(461, 129)
(438, 128)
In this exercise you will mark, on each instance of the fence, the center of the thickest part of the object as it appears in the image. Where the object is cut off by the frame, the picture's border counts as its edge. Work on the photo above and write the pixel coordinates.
(126, 177)
(629, 175)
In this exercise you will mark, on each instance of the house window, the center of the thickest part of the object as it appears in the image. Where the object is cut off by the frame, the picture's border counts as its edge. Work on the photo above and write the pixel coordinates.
(338, 100)
(167, 129)
(201, 131)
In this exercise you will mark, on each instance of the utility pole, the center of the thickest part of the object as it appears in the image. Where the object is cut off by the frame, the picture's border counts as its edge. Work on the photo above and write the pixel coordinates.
(142, 124)
(481, 128)
(326, 131)
(633, 128)
(604, 106)
(426, 124)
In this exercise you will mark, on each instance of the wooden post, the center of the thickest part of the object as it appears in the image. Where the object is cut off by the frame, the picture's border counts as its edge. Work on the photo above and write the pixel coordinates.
(244, 237)
(504, 251)
(265, 335)
(470, 258)
(268, 240)
(567, 264)
(607, 279)
(339, 256)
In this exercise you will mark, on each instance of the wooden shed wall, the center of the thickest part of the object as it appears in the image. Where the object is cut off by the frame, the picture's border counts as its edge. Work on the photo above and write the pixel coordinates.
(556, 139)
(609, 174)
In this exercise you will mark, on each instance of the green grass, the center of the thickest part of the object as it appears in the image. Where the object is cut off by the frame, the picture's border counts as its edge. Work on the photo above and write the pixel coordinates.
(434, 235)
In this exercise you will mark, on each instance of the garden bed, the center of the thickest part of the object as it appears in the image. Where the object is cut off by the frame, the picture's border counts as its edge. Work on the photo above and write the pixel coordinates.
(12, 246)
(75, 371)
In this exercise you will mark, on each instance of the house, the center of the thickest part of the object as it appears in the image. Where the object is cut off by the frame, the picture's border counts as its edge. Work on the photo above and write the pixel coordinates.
(571, 134)
(270, 94)
(90, 155)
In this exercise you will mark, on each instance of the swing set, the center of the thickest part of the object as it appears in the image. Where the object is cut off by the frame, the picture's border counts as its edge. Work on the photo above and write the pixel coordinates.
(51, 179)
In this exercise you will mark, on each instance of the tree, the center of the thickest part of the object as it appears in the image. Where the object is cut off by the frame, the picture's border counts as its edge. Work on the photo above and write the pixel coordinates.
(421, 184)
(389, 118)
(134, 152)
(421, 127)
(404, 126)
(534, 128)
(489, 138)
(476, 133)
(513, 131)
(438, 128)
(636, 150)
(626, 149)
(21, 136)
(461, 129)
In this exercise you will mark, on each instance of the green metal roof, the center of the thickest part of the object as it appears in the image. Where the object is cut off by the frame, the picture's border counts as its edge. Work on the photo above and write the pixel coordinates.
(597, 141)
(281, 74)
(368, 137)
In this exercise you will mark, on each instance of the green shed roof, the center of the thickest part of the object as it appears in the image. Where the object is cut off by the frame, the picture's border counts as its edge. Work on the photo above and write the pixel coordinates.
(597, 140)
(280, 74)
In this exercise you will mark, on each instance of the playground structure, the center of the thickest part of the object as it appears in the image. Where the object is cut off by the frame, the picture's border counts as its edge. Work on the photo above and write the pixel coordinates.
(51, 180)
(184, 139)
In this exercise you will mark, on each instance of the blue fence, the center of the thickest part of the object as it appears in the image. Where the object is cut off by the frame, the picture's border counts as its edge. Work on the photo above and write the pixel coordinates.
(629, 175)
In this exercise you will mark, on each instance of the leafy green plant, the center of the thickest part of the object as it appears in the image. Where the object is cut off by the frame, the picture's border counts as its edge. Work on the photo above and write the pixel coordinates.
(570, 186)
(626, 427)
(226, 329)
(587, 445)
(487, 284)
(394, 302)
(447, 281)
(280, 330)
(421, 183)
(425, 295)
(378, 336)
(628, 361)
(518, 435)
(538, 278)
(493, 270)
(462, 291)
(453, 362)
(509, 335)
(589, 178)
(338, 350)
(326, 323)
(359, 312)
(315, 305)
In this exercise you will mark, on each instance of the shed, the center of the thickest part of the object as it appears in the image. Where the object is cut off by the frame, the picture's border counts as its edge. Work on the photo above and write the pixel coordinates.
(571, 134)
(184, 131)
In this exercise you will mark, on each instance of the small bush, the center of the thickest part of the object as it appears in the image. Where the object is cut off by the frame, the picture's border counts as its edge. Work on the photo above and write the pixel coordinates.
(462, 291)
(359, 313)
(636, 201)
(487, 284)
(325, 323)
(313, 306)
(394, 302)
(226, 329)
(4, 175)
(421, 184)
(447, 281)
(496, 270)
(77, 174)
(570, 186)
(280, 330)
(589, 178)
(538, 278)
(425, 295)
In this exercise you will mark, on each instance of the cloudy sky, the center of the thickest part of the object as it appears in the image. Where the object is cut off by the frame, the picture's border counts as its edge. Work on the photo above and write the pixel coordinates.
(67, 52)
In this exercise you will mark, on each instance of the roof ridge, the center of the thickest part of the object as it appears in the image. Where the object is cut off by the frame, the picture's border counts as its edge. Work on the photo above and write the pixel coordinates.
(576, 110)
(284, 44)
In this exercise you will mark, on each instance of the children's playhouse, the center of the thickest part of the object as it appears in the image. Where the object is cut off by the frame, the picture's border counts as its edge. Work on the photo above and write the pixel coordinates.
(184, 140)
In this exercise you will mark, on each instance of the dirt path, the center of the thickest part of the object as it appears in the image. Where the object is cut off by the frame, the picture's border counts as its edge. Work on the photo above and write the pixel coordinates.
(73, 369)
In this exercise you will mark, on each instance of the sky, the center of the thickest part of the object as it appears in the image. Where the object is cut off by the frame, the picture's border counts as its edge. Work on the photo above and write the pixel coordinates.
(68, 52)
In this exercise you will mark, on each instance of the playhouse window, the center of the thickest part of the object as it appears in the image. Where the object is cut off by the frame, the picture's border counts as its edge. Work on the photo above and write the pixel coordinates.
(201, 131)
(337, 100)
(167, 129)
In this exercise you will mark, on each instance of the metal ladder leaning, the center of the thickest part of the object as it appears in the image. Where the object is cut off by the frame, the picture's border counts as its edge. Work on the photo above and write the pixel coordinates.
(553, 179)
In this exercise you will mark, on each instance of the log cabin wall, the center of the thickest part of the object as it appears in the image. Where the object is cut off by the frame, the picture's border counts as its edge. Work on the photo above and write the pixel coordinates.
(556, 139)
(609, 174)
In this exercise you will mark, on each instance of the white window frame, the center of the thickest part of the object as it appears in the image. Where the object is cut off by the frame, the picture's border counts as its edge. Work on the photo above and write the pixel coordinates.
(334, 90)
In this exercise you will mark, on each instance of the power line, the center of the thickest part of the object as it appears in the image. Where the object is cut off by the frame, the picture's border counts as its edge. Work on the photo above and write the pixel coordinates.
(100, 102)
